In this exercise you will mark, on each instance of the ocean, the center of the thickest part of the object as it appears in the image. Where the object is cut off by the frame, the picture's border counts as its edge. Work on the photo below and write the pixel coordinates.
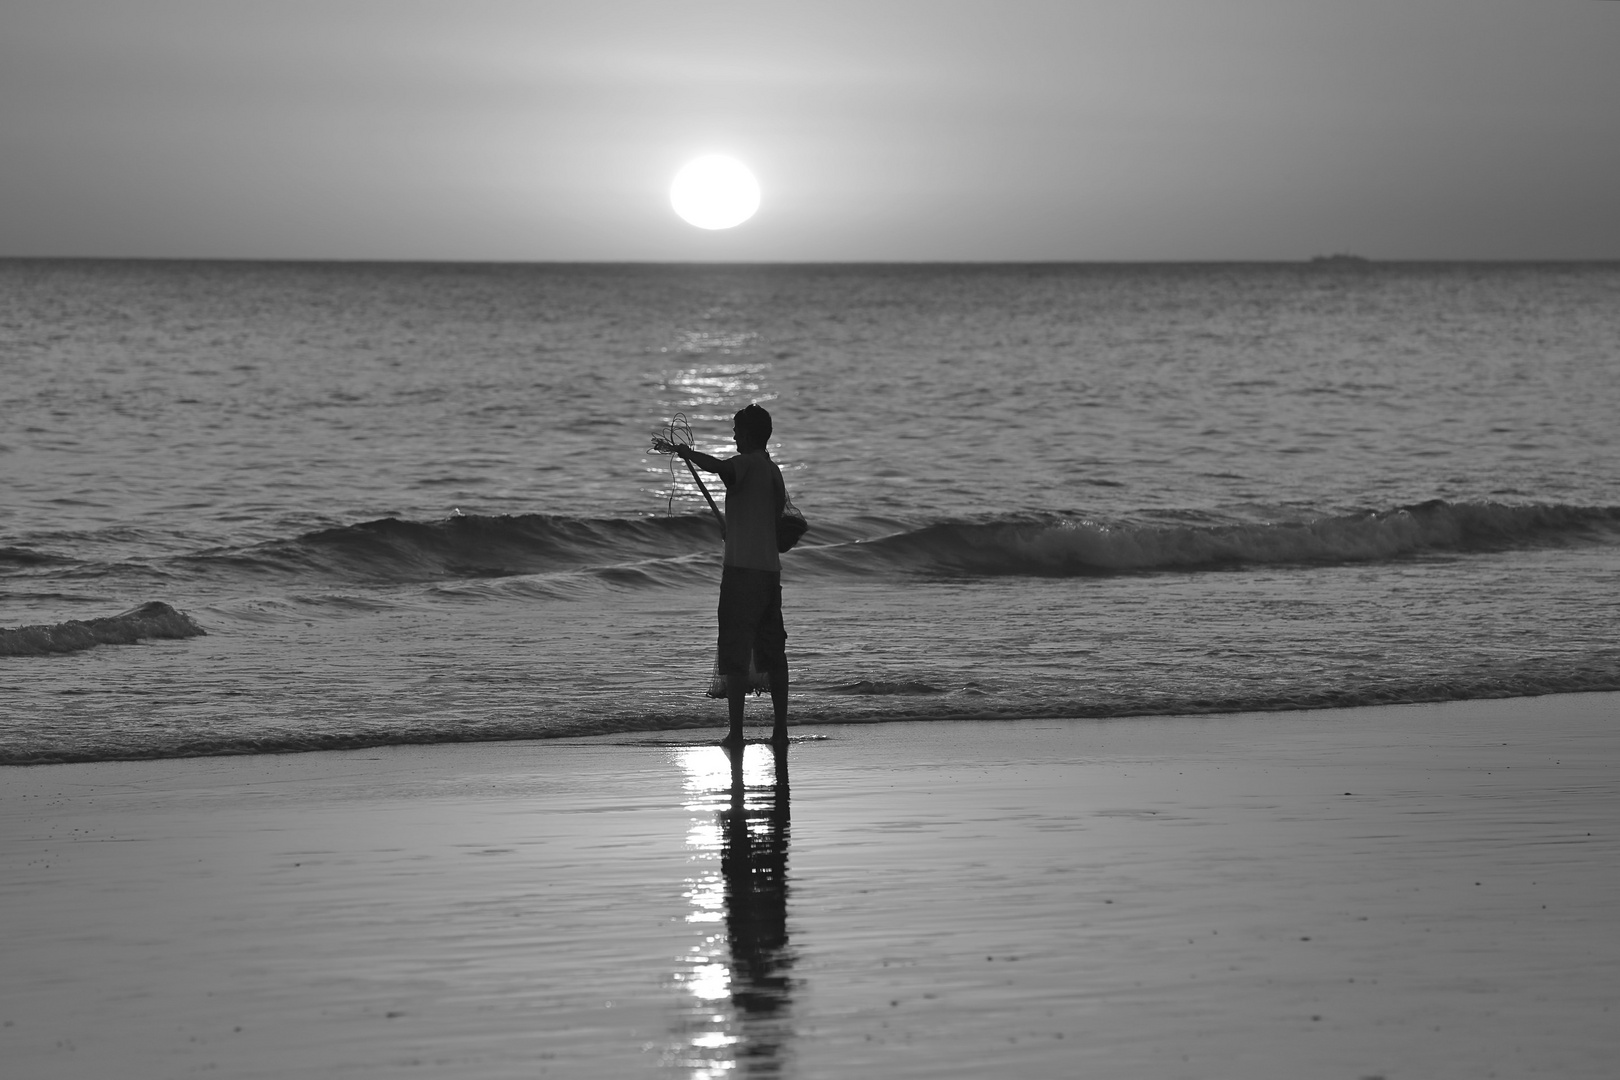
(272, 507)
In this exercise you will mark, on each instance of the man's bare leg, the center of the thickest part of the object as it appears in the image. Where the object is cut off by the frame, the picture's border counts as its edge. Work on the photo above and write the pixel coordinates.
(736, 691)
(779, 691)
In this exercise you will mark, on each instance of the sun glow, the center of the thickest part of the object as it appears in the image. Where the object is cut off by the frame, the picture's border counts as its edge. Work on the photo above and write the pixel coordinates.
(714, 192)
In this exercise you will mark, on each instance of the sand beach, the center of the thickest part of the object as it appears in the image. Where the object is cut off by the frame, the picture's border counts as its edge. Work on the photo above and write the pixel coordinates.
(1415, 891)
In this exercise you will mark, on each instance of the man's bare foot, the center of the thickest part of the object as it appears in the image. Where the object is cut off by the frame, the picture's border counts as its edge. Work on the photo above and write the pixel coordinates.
(779, 737)
(734, 741)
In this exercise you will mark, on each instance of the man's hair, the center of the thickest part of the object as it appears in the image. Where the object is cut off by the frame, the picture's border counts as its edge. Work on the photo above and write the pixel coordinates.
(756, 422)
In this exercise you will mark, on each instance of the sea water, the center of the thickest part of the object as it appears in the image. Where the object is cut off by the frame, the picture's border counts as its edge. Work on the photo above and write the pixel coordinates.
(277, 506)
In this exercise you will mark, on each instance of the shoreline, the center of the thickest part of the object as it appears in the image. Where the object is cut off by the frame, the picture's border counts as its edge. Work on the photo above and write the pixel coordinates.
(349, 742)
(1394, 891)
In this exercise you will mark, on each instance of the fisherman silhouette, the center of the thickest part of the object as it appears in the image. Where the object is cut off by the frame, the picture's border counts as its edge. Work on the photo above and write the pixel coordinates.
(751, 633)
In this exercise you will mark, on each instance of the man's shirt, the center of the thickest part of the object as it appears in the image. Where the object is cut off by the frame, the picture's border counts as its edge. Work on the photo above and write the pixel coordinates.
(755, 495)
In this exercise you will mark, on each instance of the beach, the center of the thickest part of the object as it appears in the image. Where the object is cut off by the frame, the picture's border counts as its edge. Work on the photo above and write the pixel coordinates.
(1404, 891)
(1196, 431)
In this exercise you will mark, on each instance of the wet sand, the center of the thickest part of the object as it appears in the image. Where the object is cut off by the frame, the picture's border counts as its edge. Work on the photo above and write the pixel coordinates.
(1423, 891)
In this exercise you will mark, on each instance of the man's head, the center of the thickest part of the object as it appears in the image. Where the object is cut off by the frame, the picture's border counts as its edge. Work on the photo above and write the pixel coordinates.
(752, 427)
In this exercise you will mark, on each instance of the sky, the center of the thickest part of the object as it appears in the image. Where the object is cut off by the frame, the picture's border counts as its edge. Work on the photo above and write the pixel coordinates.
(893, 130)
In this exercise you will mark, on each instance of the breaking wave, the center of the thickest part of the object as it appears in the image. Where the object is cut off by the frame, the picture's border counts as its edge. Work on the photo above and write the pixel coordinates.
(631, 553)
(393, 550)
(1060, 547)
(151, 620)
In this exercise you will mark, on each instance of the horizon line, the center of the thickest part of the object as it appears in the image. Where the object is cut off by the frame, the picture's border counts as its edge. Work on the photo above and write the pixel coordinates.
(1339, 260)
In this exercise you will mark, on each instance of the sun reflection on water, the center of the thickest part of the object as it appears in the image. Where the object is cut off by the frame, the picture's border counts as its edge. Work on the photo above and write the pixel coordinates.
(707, 395)
(716, 385)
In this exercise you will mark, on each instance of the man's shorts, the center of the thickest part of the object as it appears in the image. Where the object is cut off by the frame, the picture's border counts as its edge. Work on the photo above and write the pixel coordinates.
(751, 621)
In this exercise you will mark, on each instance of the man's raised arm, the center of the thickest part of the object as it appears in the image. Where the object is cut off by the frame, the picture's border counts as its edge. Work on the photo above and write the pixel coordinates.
(703, 461)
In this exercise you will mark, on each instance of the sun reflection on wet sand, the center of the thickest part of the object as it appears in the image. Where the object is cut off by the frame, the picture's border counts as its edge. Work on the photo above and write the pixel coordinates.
(735, 1014)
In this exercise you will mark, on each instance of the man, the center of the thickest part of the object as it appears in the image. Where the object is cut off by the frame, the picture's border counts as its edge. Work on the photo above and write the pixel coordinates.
(751, 577)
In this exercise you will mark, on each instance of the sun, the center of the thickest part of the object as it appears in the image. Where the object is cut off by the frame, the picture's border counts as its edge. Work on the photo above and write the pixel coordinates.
(714, 192)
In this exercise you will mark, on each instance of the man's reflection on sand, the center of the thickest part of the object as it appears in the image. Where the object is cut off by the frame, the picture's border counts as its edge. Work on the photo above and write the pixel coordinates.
(738, 1018)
